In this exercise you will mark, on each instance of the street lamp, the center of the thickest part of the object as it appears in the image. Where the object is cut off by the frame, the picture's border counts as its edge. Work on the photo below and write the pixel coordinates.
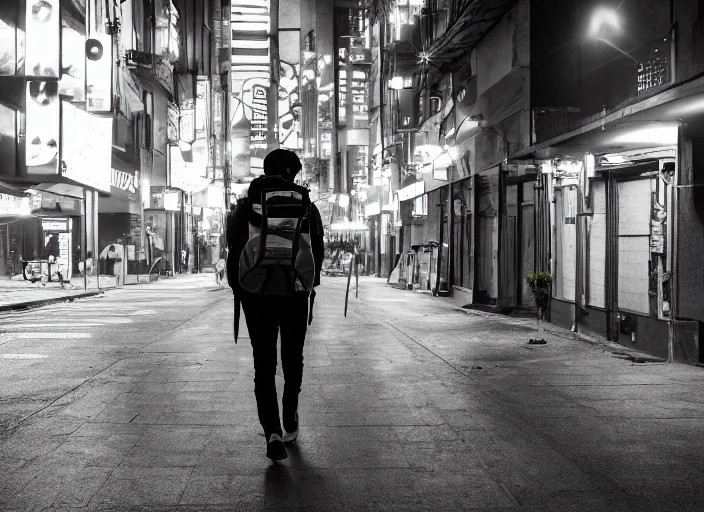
(604, 26)
(603, 19)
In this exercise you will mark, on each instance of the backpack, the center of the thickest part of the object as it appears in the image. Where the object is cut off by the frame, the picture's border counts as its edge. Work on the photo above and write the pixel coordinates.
(277, 259)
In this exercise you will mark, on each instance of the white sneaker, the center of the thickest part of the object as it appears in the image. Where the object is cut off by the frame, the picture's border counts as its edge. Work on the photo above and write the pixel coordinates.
(291, 436)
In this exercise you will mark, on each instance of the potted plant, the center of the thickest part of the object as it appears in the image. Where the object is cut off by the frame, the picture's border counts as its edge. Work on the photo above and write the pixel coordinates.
(539, 284)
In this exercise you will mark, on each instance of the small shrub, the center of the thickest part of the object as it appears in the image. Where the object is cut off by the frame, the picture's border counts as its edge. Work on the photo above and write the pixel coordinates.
(539, 284)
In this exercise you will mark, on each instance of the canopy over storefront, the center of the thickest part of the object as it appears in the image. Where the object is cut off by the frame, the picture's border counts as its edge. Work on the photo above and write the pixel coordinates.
(650, 123)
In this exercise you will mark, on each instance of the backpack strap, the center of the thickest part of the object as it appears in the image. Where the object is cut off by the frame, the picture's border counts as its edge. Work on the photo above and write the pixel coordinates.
(296, 239)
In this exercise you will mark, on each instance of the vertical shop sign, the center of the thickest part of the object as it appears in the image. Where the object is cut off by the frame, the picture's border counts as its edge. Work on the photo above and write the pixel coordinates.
(43, 110)
(173, 124)
(259, 118)
(201, 108)
(99, 57)
(187, 123)
(217, 124)
(43, 43)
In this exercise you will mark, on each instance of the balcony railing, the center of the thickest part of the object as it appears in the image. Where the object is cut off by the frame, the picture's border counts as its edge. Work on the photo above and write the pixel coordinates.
(551, 122)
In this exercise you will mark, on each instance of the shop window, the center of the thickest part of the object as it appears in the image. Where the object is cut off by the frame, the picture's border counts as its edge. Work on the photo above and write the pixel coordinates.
(420, 206)
(566, 242)
(596, 239)
(634, 213)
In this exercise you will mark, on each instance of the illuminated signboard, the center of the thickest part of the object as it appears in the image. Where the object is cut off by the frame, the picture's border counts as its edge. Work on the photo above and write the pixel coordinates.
(87, 148)
(42, 45)
(125, 181)
(13, 205)
(55, 224)
(259, 119)
(251, 75)
(43, 109)
(99, 59)
(250, 43)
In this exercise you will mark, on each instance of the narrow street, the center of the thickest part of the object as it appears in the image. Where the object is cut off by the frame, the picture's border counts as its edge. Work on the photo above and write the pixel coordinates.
(140, 399)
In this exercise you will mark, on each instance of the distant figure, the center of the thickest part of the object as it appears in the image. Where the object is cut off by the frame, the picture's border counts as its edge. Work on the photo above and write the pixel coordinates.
(276, 285)
(52, 247)
(110, 259)
(88, 264)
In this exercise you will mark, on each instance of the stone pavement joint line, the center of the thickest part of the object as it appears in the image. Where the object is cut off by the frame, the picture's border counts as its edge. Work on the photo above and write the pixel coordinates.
(407, 404)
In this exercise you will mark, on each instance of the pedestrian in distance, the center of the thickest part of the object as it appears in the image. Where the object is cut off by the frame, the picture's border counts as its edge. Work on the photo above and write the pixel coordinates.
(275, 242)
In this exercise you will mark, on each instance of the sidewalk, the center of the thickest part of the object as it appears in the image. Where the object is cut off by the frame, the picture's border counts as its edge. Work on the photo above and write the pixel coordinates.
(17, 293)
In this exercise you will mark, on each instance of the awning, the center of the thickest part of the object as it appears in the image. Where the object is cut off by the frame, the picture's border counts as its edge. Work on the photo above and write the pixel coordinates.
(6, 188)
(130, 99)
(61, 189)
(13, 206)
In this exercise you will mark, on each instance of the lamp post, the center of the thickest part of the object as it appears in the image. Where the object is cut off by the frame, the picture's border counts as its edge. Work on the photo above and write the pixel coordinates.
(604, 25)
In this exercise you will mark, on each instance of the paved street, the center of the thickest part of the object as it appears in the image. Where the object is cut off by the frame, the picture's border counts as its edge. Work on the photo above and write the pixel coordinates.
(140, 400)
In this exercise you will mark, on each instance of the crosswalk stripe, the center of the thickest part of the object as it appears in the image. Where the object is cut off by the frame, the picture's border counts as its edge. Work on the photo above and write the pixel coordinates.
(46, 335)
(12, 327)
(23, 356)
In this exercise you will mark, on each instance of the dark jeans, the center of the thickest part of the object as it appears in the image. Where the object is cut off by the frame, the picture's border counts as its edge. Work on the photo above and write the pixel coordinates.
(265, 317)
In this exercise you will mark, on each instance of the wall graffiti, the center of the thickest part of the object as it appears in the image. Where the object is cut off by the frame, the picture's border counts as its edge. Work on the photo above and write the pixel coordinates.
(289, 106)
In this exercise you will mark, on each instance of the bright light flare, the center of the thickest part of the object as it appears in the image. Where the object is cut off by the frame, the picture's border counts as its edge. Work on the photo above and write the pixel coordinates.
(660, 136)
(396, 83)
(604, 17)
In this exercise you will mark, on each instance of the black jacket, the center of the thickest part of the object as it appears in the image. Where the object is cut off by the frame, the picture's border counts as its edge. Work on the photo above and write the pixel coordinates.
(237, 232)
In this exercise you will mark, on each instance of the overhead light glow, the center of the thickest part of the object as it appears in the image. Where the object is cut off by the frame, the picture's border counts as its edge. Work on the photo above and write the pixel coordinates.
(661, 135)
(396, 83)
(690, 107)
(604, 17)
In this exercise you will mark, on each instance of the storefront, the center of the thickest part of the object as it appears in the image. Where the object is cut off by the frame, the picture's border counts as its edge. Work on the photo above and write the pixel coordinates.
(119, 218)
(187, 176)
(14, 207)
(159, 228)
(611, 219)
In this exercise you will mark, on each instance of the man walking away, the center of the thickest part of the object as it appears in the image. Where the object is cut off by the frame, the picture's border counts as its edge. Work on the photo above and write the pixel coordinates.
(275, 239)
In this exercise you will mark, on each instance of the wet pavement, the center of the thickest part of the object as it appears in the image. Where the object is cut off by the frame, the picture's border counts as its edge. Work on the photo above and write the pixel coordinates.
(140, 400)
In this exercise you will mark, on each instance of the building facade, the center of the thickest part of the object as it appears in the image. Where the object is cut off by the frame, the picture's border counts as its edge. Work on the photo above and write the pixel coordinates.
(101, 132)
(511, 149)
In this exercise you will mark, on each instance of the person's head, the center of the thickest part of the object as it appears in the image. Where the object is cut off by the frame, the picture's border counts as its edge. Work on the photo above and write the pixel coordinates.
(112, 248)
(282, 162)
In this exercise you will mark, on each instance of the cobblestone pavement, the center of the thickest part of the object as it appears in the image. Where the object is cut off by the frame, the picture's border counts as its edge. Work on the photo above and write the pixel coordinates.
(140, 400)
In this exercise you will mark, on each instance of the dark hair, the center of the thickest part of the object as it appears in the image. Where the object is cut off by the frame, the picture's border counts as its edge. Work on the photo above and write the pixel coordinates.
(282, 162)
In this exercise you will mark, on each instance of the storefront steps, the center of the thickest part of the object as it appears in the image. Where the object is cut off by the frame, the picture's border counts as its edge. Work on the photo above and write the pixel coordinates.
(512, 311)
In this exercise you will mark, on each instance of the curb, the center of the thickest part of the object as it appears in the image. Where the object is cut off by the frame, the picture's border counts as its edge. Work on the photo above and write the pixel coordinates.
(47, 302)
